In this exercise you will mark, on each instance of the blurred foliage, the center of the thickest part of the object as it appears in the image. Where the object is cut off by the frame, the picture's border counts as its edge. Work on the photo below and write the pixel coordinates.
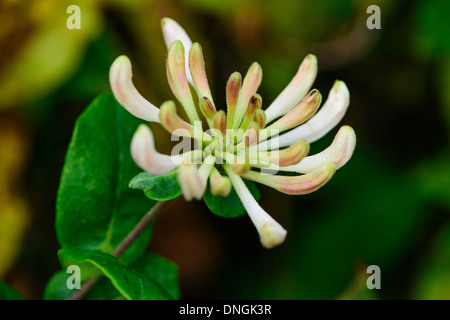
(434, 280)
(432, 28)
(42, 54)
(389, 206)
(14, 212)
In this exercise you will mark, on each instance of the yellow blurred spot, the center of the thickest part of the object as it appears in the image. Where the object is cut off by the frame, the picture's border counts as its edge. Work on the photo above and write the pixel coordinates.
(14, 214)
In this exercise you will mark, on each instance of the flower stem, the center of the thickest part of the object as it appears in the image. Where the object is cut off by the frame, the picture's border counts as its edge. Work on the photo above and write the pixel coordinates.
(145, 221)
(122, 247)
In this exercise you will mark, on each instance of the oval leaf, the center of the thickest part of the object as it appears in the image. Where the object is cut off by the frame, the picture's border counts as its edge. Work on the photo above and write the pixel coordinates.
(130, 284)
(156, 268)
(158, 187)
(95, 207)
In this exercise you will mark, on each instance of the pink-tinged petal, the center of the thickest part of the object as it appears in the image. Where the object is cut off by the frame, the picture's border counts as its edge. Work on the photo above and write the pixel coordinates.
(295, 185)
(250, 137)
(220, 185)
(173, 31)
(338, 153)
(193, 179)
(191, 182)
(325, 120)
(279, 158)
(296, 89)
(188, 157)
(208, 110)
(198, 72)
(233, 89)
(250, 85)
(220, 122)
(240, 167)
(302, 112)
(238, 163)
(205, 169)
(260, 118)
(253, 105)
(145, 155)
(173, 123)
(176, 76)
(291, 155)
(122, 86)
(271, 232)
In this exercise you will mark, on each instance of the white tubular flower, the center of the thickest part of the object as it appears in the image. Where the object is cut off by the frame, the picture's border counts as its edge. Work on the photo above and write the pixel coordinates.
(191, 181)
(173, 31)
(120, 76)
(176, 74)
(325, 120)
(271, 233)
(338, 153)
(145, 155)
(238, 142)
(296, 89)
(250, 85)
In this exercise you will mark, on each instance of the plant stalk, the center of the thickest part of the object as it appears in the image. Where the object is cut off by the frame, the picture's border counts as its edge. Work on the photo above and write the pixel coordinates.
(122, 247)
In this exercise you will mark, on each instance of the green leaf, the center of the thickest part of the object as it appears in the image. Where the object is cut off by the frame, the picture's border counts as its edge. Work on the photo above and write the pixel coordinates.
(156, 268)
(8, 293)
(130, 284)
(230, 206)
(95, 207)
(160, 270)
(56, 288)
(158, 187)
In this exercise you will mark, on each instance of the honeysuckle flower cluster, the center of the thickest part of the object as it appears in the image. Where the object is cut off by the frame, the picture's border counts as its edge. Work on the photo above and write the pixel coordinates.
(243, 142)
